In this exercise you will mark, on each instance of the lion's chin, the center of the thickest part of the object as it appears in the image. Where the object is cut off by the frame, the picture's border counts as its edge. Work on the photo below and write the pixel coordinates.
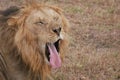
(52, 54)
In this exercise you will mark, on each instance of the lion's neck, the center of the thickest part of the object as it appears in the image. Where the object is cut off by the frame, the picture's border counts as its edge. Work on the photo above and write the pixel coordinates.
(17, 69)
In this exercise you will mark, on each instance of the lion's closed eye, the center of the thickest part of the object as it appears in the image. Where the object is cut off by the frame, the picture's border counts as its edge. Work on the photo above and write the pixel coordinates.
(39, 22)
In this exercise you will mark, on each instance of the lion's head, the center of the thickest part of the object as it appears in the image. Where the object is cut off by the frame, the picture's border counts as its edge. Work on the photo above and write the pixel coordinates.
(41, 36)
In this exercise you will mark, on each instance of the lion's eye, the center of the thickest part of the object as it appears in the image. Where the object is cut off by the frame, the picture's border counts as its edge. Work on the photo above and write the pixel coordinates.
(40, 22)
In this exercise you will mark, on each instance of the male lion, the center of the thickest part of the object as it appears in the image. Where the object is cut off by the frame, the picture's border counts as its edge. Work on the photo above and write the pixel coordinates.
(33, 39)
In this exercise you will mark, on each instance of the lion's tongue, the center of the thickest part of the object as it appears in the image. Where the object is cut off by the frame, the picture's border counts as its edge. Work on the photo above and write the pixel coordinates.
(55, 60)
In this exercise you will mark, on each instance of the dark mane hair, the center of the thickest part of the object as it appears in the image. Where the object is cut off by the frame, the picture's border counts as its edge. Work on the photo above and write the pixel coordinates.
(9, 11)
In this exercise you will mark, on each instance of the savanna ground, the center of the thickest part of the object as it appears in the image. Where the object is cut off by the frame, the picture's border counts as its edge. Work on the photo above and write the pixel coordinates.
(94, 52)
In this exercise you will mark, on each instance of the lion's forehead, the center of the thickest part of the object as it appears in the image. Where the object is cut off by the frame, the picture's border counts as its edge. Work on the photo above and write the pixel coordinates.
(44, 14)
(51, 12)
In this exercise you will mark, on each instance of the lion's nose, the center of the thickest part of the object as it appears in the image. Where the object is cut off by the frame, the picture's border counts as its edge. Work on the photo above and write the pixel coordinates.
(57, 31)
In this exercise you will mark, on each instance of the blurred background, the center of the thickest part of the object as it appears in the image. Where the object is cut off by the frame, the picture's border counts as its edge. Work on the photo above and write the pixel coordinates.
(94, 50)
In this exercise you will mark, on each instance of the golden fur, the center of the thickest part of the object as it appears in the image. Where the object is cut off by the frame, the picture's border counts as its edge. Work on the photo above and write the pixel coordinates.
(24, 31)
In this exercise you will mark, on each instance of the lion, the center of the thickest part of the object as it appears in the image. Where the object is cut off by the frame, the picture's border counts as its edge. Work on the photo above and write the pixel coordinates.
(33, 40)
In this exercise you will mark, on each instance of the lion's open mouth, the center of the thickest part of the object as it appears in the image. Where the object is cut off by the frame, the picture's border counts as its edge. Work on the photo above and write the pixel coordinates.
(52, 54)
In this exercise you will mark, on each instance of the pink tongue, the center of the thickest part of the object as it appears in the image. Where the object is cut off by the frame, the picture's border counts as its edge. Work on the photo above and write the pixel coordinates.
(55, 60)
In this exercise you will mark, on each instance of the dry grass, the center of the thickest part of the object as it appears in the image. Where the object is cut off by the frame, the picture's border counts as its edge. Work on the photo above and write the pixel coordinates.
(94, 52)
